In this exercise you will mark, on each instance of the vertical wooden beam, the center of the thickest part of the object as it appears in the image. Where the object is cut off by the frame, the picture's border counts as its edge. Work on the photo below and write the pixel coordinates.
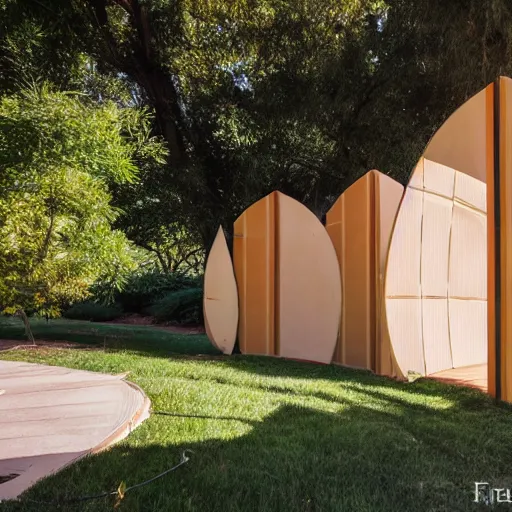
(504, 353)
(499, 215)
(493, 239)
(274, 207)
(373, 274)
(498, 235)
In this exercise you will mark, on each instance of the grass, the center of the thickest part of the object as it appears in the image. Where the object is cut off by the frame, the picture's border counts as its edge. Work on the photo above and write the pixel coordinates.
(155, 341)
(279, 435)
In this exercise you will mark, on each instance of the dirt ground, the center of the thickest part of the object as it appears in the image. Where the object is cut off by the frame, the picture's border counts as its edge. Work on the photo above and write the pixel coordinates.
(40, 344)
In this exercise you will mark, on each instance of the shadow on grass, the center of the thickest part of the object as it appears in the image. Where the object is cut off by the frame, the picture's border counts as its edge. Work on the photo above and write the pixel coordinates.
(302, 459)
(148, 341)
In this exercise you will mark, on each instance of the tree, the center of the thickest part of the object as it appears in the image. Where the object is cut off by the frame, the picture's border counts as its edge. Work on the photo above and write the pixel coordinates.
(154, 219)
(57, 158)
(252, 96)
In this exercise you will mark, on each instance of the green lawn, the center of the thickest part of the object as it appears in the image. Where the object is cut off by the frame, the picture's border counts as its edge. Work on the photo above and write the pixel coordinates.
(155, 341)
(278, 435)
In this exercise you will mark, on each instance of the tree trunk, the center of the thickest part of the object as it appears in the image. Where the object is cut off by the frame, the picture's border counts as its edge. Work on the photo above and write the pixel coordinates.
(28, 331)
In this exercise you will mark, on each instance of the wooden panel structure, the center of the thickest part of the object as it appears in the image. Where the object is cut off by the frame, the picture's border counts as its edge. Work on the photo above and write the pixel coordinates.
(440, 242)
(254, 256)
(288, 281)
(220, 302)
(499, 196)
(443, 291)
(309, 285)
(360, 224)
(437, 256)
(506, 236)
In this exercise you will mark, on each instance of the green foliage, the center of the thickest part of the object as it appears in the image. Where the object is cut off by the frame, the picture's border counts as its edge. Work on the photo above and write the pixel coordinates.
(184, 307)
(57, 157)
(93, 311)
(304, 97)
(142, 290)
(249, 97)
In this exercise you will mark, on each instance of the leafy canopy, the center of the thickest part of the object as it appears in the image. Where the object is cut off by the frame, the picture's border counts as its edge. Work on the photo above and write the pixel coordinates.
(251, 96)
(58, 156)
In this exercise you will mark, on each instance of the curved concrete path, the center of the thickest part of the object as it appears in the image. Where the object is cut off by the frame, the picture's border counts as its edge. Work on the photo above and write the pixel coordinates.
(51, 416)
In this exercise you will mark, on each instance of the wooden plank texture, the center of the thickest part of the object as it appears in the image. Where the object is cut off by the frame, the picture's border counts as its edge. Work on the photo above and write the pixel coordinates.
(52, 416)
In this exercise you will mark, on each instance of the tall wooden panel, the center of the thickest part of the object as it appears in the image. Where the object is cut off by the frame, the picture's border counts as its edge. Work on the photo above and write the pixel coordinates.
(350, 226)
(254, 255)
(506, 236)
(500, 274)
(491, 103)
(360, 224)
(388, 196)
(309, 286)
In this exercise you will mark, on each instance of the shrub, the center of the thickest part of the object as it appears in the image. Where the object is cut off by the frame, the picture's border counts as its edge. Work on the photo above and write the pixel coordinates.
(93, 312)
(184, 307)
(141, 291)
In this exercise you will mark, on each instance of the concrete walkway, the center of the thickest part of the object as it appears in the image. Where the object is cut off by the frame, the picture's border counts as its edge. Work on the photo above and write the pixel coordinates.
(51, 416)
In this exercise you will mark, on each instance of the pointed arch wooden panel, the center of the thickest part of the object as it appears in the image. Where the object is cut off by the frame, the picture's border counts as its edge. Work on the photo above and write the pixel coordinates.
(220, 300)
(288, 281)
(309, 285)
(359, 224)
(436, 293)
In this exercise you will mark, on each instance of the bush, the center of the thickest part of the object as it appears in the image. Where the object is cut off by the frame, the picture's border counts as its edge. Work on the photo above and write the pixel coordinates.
(184, 307)
(93, 312)
(141, 291)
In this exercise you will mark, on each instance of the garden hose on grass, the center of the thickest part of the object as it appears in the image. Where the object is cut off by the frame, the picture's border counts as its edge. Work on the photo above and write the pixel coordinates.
(121, 490)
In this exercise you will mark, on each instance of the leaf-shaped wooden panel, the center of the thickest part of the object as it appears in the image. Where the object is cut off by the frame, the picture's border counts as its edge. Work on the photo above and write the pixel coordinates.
(220, 296)
(309, 285)
(288, 281)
